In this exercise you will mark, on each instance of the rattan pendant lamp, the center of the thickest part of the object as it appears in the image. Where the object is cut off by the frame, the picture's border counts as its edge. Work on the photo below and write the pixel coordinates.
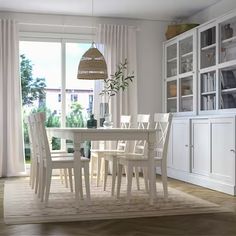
(92, 65)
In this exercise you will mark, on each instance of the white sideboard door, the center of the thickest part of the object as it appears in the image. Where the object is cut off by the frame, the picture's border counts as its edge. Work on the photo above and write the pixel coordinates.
(223, 149)
(180, 145)
(200, 145)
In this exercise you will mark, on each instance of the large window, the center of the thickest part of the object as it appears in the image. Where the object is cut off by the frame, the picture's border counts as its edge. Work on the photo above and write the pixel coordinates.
(49, 83)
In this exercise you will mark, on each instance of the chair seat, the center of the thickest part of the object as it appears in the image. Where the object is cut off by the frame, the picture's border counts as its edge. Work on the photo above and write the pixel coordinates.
(61, 154)
(58, 162)
(158, 158)
(133, 156)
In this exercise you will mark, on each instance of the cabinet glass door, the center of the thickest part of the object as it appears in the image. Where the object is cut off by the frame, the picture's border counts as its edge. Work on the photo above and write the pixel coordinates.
(186, 94)
(172, 96)
(228, 87)
(171, 60)
(186, 55)
(228, 40)
(208, 91)
(208, 48)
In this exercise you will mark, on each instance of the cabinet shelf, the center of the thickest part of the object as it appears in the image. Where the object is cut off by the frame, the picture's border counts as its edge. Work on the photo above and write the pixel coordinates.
(172, 59)
(208, 47)
(208, 93)
(187, 96)
(231, 90)
(229, 40)
(187, 54)
(172, 98)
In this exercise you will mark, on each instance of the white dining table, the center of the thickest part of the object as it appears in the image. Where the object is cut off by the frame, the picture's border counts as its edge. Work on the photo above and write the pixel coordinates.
(79, 135)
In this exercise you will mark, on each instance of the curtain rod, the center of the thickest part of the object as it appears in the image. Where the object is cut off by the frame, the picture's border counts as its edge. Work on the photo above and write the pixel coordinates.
(66, 25)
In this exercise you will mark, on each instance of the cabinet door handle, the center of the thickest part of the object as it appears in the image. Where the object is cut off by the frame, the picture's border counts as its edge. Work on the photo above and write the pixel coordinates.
(232, 150)
(186, 145)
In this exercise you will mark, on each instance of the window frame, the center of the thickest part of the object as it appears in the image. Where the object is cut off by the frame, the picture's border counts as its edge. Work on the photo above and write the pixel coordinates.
(63, 39)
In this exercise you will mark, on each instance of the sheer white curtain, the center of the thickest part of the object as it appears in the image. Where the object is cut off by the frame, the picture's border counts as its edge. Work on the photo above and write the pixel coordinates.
(119, 42)
(11, 137)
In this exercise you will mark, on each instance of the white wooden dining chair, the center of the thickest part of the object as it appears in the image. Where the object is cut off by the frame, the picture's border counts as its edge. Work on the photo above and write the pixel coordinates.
(34, 168)
(47, 163)
(140, 159)
(97, 155)
(111, 155)
(162, 125)
(133, 161)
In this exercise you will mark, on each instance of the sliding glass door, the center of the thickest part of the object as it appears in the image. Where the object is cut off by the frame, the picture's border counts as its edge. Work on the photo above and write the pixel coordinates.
(48, 78)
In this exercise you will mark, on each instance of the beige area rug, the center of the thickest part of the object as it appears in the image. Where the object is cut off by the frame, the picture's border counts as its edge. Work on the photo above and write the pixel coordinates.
(21, 205)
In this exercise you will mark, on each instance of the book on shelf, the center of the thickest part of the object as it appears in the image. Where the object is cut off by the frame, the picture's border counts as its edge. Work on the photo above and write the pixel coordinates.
(228, 79)
(208, 103)
(228, 100)
(209, 82)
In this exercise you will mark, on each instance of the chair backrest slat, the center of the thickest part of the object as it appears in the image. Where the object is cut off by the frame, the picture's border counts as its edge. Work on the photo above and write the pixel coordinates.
(125, 123)
(162, 125)
(43, 138)
(143, 122)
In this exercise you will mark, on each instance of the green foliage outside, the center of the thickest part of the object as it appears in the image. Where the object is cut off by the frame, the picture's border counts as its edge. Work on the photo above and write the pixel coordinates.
(32, 88)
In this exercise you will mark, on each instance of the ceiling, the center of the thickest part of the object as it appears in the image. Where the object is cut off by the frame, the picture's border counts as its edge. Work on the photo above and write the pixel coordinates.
(136, 9)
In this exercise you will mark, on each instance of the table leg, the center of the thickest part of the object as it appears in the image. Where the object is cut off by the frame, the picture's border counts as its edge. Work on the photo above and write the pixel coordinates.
(152, 172)
(77, 174)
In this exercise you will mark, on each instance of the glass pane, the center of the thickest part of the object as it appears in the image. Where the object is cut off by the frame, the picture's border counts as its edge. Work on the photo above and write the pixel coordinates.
(41, 82)
(208, 90)
(186, 54)
(208, 82)
(228, 40)
(186, 86)
(172, 60)
(172, 96)
(79, 93)
(186, 91)
(228, 88)
(208, 48)
(208, 102)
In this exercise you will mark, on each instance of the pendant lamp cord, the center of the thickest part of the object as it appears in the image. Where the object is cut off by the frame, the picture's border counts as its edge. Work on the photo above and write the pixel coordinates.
(93, 43)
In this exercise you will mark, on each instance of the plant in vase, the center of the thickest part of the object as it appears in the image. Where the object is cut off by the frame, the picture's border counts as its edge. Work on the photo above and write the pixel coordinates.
(119, 81)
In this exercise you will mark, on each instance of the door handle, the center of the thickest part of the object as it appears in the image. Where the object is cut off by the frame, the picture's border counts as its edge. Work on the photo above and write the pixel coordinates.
(232, 150)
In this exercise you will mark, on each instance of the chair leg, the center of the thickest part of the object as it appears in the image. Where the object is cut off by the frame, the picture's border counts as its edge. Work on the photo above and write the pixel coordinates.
(37, 176)
(66, 177)
(43, 184)
(61, 176)
(70, 179)
(119, 176)
(106, 164)
(32, 173)
(136, 171)
(164, 179)
(87, 183)
(145, 176)
(92, 167)
(48, 183)
(98, 169)
(114, 172)
(129, 179)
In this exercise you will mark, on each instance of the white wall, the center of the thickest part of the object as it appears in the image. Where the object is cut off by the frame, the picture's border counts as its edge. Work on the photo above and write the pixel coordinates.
(150, 35)
(213, 11)
(150, 39)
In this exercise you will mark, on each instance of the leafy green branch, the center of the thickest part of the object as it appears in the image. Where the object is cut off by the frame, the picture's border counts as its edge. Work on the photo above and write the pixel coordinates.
(118, 81)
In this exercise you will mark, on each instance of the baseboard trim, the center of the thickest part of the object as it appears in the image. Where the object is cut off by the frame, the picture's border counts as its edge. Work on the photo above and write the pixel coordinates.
(203, 181)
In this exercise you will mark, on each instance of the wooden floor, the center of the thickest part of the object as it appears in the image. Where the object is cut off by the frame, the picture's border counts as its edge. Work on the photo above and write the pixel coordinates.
(203, 224)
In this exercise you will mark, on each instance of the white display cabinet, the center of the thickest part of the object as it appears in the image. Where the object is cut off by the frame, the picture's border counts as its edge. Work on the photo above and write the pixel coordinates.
(180, 74)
